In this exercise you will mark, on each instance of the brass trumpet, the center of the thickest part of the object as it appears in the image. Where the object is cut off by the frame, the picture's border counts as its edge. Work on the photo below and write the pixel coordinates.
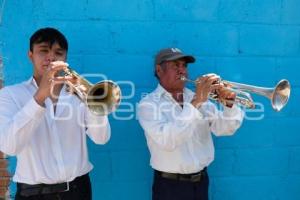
(279, 95)
(101, 98)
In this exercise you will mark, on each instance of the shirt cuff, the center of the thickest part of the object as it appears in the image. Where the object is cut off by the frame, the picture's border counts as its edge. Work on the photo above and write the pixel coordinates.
(233, 113)
(95, 120)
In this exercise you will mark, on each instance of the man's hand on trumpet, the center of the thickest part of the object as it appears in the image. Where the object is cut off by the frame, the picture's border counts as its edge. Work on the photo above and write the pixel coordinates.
(210, 85)
(204, 86)
(225, 96)
(50, 82)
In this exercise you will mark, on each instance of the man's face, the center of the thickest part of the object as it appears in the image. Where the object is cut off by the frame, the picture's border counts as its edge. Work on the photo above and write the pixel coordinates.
(169, 74)
(43, 54)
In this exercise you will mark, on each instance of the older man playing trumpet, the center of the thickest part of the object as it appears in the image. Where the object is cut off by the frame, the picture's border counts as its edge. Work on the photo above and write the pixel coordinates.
(178, 124)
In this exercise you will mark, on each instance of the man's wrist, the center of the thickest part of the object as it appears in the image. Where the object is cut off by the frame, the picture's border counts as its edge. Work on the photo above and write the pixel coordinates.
(39, 100)
(196, 103)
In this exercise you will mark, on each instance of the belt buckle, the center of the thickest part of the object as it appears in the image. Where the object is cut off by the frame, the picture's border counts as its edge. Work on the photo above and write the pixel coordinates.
(68, 187)
(196, 177)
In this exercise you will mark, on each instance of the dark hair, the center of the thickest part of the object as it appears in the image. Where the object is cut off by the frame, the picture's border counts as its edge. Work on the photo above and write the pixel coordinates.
(49, 35)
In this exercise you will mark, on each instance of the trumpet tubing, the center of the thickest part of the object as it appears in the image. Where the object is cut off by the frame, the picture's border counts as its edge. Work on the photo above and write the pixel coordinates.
(101, 98)
(279, 95)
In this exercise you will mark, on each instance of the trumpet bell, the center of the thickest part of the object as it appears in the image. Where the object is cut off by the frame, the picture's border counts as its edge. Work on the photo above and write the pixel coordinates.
(103, 97)
(281, 94)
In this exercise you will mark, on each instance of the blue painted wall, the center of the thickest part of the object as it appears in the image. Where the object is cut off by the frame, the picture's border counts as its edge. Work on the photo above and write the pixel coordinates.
(249, 41)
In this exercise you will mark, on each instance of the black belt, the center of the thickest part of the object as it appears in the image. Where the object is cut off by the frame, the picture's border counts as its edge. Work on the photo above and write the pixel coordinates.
(30, 190)
(194, 177)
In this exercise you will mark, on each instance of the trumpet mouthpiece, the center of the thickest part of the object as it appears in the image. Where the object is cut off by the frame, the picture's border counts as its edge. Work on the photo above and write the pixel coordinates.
(183, 78)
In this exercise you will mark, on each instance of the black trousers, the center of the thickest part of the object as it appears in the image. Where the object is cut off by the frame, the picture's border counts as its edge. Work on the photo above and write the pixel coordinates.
(80, 190)
(168, 189)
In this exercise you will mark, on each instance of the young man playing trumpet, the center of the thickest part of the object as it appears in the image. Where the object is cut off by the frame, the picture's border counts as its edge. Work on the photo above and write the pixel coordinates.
(178, 124)
(46, 127)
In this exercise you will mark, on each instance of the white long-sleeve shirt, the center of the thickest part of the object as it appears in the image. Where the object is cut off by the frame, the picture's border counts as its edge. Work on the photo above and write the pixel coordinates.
(179, 139)
(50, 146)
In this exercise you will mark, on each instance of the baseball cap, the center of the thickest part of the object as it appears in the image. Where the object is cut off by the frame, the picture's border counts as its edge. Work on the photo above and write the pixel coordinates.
(170, 54)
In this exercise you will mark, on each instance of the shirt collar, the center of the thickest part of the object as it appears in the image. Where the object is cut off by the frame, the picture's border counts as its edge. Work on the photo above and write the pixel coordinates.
(161, 91)
(31, 81)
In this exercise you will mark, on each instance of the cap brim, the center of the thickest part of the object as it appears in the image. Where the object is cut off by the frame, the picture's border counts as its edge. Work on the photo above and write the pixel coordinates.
(187, 58)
